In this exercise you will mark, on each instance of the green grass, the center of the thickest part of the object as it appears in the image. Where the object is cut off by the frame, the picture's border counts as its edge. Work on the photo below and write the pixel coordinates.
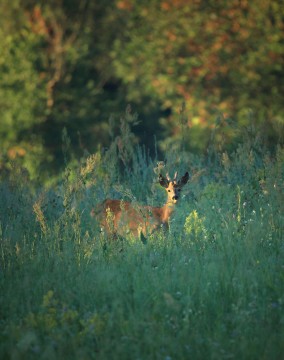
(211, 288)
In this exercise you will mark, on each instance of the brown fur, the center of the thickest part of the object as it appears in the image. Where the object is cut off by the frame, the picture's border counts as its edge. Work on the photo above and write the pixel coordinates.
(119, 217)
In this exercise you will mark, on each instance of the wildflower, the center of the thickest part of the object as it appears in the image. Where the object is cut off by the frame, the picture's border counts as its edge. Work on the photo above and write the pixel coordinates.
(47, 299)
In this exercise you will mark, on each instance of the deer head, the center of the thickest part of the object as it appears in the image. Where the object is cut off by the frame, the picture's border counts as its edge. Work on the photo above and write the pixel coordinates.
(173, 187)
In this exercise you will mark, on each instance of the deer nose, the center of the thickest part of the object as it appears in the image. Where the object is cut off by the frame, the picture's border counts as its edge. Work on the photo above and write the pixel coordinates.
(175, 197)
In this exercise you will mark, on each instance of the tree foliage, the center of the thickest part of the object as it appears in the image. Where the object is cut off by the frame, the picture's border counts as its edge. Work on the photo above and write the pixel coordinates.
(71, 64)
(216, 55)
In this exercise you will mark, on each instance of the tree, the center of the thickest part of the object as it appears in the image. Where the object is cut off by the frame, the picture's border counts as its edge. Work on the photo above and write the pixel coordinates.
(224, 56)
(71, 64)
(22, 89)
(53, 75)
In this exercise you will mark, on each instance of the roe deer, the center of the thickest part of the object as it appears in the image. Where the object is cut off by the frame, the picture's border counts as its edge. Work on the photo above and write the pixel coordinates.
(119, 217)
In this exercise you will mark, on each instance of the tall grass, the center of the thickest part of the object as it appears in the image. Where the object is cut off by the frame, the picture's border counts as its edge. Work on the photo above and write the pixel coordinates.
(210, 288)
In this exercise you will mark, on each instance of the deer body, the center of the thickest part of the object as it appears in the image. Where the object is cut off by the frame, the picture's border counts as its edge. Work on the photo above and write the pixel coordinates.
(120, 217)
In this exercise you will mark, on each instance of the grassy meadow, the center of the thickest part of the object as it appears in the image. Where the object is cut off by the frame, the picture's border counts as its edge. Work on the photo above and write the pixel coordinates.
(210, 288)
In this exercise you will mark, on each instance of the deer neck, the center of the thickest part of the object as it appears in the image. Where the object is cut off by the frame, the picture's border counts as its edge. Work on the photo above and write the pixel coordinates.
(167, 210)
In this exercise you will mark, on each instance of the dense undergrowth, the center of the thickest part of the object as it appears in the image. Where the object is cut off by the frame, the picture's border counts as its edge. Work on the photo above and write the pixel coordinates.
(210, 288)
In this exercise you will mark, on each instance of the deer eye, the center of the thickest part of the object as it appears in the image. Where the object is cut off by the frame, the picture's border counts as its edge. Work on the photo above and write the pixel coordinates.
(169, 190)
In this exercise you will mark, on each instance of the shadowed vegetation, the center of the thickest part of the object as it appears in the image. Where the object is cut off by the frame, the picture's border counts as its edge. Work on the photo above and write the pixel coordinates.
(210, 287)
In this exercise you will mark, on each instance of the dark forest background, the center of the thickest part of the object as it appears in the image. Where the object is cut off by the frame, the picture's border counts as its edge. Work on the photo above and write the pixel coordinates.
(190, 69)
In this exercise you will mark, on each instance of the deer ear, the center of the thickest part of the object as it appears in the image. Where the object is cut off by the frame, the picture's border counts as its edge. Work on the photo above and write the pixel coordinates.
(184, 179)
(163, 181)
